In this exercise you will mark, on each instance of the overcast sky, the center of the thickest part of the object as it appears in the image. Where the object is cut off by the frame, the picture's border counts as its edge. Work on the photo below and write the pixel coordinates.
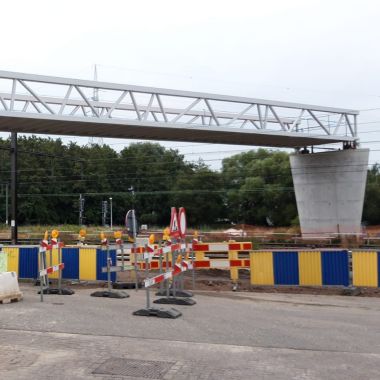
(311, 51)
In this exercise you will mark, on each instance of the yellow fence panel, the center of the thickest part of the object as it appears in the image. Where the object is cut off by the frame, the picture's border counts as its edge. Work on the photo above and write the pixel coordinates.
(364, 268)
(87, 264)
(310, 268)
(55, 262)
(13, 254)
(234, 272)
(261, 268)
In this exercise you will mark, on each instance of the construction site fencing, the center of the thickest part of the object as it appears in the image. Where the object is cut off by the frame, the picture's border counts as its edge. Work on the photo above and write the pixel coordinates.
(334, 267)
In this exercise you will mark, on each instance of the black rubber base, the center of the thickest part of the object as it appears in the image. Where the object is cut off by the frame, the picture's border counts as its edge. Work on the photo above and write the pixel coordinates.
(351, 291)
(175, 301)
(159, 313)
(63, 292)
(110, 294)
(178, 293)
(126, 285)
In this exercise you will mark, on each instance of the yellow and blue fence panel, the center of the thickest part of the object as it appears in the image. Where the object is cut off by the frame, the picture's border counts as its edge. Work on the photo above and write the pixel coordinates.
(101, 261)
(366, 268)
(83, 263)
(277, 267)
(310, 268)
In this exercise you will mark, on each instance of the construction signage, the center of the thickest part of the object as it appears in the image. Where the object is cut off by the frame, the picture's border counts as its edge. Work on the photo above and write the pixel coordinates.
(182, 222)
(174, 224)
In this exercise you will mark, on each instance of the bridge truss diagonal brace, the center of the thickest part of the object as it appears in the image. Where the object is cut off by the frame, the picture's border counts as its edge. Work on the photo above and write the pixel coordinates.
(67, 98)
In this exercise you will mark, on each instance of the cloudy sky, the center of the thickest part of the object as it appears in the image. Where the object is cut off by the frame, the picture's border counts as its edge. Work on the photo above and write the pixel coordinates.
(311, 51)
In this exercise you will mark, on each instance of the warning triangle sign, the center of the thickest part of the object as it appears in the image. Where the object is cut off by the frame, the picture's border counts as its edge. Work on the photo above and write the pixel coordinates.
(174, 225)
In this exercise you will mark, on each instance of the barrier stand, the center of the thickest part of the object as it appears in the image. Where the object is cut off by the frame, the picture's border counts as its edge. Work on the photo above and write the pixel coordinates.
(180, 289)
(176, 269)
(56, 244)
(160, 258)
(109, 293)
(195, 241)
(45, 270)
(150, 311)
(177, 288)
(134, 237)
(122, 267)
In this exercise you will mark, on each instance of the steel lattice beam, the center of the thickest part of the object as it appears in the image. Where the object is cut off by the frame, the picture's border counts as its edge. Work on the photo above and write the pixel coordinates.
(53, 105)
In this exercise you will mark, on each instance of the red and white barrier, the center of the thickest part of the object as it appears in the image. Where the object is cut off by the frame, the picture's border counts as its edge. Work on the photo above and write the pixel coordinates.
(221, 247)
(178, 268)
(54, 268)
(222, 264)
(45, 246)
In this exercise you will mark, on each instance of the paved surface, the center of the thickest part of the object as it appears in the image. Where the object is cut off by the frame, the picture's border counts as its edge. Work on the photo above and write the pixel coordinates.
(225, 336)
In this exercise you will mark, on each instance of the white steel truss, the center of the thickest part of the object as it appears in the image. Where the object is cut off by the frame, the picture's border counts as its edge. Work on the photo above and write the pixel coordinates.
(65, 106)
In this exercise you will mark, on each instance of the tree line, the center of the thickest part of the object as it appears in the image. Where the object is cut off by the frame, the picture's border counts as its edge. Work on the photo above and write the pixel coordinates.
(254, 187)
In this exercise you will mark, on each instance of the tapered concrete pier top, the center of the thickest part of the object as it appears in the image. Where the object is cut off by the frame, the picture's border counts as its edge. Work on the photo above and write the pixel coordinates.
(329, 190)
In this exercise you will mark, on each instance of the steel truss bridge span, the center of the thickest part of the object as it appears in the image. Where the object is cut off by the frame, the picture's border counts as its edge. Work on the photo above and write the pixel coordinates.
(61, 106)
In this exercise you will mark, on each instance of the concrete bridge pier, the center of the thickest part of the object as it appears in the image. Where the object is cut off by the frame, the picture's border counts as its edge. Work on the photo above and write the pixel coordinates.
(329, 190)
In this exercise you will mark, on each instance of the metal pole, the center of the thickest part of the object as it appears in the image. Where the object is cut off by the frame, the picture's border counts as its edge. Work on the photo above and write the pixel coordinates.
(60, 271)
(174, 261)
(80, 210)
(166, 269)
(111, 213)
(14, 235)
(146, 277)
(40, 265)
(135, 246)
(6, 204)
(193, 264)
(108, 269)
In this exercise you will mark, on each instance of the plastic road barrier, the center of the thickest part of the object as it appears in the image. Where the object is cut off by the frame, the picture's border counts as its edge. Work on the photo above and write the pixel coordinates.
(109, 293)
(45, 270)
(151, 311)
(9, 289)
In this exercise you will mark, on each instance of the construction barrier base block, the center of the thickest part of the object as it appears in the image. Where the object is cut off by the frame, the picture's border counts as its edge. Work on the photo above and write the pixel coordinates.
(178, 293)
(159, 313)
(63, 292)
(175, 301)
(110, 294)
(126, 285)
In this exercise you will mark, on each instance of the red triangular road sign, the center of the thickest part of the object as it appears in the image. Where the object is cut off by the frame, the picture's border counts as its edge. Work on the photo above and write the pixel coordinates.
(174, 225)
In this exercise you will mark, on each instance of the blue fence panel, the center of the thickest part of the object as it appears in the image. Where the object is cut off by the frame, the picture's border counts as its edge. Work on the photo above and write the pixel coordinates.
(335, 270)
(70, 257)
(101, 261)
(286, 268)
(28, 262)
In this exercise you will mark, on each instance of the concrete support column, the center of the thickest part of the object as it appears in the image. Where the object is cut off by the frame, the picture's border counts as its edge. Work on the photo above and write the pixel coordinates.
(329, 190)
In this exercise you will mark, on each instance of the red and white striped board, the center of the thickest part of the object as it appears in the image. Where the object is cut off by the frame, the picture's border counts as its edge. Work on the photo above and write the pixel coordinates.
(54, 268)
(221, 247)
(178, 268)
(155, 251)
(45, 246)
(222, 264)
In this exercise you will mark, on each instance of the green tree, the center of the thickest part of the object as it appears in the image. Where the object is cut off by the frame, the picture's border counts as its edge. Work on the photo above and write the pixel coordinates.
(200, 191)
(260, 188)
(371, 210)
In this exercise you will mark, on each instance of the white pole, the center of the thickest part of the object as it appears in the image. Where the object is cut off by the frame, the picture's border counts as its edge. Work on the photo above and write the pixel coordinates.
(111, 213)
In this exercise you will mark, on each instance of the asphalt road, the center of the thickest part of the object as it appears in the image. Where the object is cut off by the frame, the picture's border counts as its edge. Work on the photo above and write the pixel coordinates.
(224, 336)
